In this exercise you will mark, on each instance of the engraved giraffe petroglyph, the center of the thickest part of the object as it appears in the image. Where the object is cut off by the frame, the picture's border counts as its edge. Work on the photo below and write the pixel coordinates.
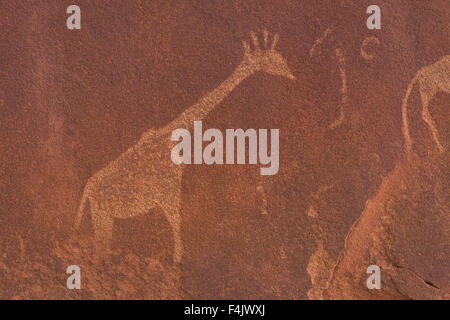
(431, 79)
(144, 177)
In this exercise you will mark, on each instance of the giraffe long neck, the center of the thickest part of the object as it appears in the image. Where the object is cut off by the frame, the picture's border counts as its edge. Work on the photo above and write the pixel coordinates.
(207, 103)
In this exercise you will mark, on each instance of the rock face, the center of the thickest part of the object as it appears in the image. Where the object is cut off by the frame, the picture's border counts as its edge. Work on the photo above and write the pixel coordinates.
(363, 174)
(395, 232)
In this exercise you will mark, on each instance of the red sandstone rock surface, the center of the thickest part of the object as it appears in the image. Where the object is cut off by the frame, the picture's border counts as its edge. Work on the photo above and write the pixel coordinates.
(346, 196)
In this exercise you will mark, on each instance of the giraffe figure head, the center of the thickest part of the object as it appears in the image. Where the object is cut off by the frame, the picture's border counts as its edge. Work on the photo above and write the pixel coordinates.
(266, 58)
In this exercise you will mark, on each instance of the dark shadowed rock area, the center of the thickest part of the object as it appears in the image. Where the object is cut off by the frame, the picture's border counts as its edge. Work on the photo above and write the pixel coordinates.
(349, 192)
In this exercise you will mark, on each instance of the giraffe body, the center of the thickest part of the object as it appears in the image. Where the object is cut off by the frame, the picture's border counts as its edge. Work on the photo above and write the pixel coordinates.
(141, 179)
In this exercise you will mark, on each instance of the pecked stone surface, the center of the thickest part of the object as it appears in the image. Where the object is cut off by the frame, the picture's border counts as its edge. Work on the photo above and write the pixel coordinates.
(348, 193)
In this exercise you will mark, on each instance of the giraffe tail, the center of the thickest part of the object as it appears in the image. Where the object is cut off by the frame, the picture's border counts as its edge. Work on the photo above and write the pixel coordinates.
(83, 202)
(405, 128)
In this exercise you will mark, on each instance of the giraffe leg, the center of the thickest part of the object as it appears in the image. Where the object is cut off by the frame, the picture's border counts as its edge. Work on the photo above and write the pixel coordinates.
(174, 217)
(172, 209)
(426, 116)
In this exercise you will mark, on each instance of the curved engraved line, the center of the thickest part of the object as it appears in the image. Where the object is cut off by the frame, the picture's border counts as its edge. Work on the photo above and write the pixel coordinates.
(365, 43)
